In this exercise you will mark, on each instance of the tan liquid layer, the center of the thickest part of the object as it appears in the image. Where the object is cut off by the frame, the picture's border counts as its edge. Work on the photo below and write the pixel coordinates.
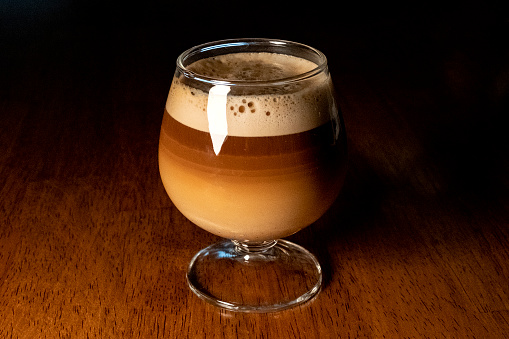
(262, 194)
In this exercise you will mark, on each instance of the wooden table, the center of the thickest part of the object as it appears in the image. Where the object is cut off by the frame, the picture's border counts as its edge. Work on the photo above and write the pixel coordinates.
(417, 244)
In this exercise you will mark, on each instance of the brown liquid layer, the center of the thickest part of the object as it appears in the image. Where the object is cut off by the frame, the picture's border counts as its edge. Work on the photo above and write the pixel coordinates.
(257, 188)
(271, 155)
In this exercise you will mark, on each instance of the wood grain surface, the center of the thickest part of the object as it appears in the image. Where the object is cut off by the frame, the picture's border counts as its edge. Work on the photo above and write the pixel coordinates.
(416, 246)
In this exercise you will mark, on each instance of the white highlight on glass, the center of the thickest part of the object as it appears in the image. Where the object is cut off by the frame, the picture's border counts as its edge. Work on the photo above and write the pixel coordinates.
(216, 114)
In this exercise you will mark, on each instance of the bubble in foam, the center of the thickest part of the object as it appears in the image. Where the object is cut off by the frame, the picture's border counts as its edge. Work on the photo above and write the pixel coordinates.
(279, 111)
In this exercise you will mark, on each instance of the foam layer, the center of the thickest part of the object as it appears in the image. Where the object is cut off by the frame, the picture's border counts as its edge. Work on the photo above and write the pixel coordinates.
(252, 66)
(276, 111)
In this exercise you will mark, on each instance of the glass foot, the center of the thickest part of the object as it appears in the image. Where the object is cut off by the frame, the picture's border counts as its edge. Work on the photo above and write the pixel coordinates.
(264, 276)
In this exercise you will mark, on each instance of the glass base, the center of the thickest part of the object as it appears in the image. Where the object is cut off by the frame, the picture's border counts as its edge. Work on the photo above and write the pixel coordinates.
(264, 276)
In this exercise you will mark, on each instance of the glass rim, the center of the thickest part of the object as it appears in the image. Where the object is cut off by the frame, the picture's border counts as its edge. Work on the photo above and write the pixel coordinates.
(244, 42)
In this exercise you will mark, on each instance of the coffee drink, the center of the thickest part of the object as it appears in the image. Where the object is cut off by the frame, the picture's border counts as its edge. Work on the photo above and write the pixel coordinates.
(256, 162)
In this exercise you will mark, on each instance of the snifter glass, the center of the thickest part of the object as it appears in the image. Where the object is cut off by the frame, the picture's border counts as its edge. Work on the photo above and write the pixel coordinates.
(253, 149)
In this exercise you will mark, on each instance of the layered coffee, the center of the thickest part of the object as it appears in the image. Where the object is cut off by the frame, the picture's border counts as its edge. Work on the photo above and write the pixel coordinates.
(255, 162)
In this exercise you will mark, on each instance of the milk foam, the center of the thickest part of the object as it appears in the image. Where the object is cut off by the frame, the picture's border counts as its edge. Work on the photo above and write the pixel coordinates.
(290, 110)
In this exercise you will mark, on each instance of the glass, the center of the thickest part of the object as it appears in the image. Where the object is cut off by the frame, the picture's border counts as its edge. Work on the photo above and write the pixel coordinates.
(253, 149)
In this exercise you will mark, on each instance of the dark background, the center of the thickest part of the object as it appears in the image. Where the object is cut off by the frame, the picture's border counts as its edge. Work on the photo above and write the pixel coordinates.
(49, 49)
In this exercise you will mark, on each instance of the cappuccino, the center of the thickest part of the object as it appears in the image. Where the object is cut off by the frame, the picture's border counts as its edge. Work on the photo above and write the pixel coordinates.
(255, 162)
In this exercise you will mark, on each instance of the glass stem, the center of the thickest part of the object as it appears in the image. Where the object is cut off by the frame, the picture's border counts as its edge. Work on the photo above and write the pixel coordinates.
(253, 246)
